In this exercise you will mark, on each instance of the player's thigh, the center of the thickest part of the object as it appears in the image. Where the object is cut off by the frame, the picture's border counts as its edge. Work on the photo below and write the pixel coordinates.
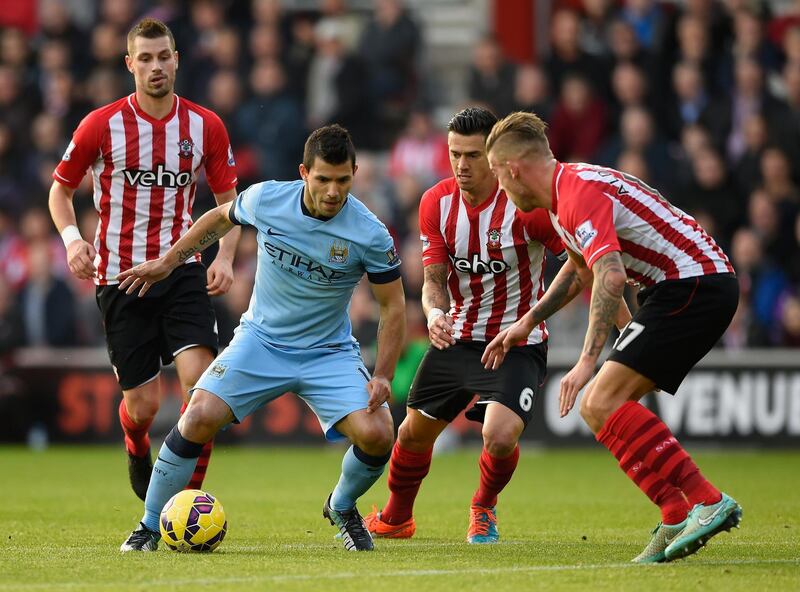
(418, 432)
(187, 316)
(132, 336)
(439, 391)
(248, 374)
(678, 323)
(515, 385)
(190, 365)
(333, 382)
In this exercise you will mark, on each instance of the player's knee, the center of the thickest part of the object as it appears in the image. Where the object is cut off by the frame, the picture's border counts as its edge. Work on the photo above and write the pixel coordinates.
(412, 439)
(595, 409)
(500, 441)
(376, 440)
(142, 410)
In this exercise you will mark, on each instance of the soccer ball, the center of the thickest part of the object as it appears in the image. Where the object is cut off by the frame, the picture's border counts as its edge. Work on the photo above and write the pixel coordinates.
(193, 520)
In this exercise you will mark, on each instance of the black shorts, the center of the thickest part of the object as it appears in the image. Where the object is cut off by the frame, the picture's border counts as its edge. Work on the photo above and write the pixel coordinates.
(677, 325)
(447, 380)
(143, 333)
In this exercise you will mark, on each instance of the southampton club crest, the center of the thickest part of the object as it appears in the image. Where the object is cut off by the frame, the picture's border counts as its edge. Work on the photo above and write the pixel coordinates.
(493, 236)
(338, 252)
(186, 148)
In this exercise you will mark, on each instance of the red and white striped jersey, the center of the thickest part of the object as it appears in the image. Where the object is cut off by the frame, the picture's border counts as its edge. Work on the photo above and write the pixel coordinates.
(145, 174)
(495, 255)
(598, 210)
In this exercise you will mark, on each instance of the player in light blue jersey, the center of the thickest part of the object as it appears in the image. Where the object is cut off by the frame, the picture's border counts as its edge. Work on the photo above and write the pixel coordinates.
(315, 241)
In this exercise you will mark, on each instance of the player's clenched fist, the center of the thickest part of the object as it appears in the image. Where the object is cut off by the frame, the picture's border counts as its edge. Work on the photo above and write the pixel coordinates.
(80, 257)
(440, 329)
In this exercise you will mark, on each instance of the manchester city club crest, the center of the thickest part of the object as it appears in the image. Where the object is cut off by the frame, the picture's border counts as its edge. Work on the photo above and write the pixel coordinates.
(338, 252)
(493, 236)
(186, 148)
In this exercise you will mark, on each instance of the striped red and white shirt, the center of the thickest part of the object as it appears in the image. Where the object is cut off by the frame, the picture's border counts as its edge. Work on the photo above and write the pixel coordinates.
(598, 210)
(145, 173)
(495, 256)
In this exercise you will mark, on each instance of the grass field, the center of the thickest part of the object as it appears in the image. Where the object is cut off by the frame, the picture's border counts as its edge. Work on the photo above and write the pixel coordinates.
(569, 521)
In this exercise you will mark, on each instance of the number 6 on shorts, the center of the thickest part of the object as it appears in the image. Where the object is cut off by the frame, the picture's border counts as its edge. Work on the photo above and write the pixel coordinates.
(629, 333)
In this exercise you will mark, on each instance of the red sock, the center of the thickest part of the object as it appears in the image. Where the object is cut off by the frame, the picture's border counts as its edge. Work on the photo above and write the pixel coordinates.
(495, 474)
(651, 441)
(137, 442)
(406, 471)
(667, 497)
(196, 482)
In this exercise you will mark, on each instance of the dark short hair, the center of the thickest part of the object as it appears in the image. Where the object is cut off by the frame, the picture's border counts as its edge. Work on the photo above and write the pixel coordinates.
(149, 28)
(472, 121)
(332, 144)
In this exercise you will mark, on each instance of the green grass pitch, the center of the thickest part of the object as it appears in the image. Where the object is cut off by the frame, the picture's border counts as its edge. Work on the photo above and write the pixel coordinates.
(569, 520)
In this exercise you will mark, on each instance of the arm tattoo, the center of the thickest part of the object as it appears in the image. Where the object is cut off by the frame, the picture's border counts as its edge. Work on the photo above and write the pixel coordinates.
(564, 288)
(606, 296)
(183, 255)
(434, 289)
(205, 240)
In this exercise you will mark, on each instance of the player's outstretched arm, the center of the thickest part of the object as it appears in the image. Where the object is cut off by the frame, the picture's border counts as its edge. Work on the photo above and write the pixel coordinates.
(607, 290)
(211, 226)
(570, 281)
(435, 303)
(220, 272)
(80, 253)
(391, 340)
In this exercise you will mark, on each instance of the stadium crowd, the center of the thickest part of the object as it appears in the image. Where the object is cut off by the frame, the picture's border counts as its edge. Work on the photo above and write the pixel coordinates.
(699, 98)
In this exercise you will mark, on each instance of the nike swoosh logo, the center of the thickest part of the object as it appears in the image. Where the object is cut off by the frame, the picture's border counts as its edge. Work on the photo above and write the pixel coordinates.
(273, 233)
(707, 521)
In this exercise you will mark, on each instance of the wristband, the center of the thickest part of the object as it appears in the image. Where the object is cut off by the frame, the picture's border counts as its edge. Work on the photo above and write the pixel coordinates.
(433, 314)
(70, 234)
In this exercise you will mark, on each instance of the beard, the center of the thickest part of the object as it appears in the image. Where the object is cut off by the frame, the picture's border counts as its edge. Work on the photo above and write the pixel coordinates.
(158, 92)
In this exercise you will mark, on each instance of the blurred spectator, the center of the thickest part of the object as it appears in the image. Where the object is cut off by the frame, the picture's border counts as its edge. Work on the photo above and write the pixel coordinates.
(416, 344)
(637, 133)
(633, 163)
(761, 282)
(421, 151)
(299, 54)
(336, 89)
(350, 23)
(390, 46)
(748, 42)
(46, 303)
(747, 170)
(691, 98)
(364, 319)
(595, 25)
(491, 77)
(629, 89)
(566, 56)
(646, 18)
(789, 327)
(765, 220)
(12, 332)
(532, 91)
(712, 192)
(578, 108)
(272, 122)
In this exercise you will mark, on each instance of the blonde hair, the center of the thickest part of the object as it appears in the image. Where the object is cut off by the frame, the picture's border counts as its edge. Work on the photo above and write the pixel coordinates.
(149, 28)
(521, 133)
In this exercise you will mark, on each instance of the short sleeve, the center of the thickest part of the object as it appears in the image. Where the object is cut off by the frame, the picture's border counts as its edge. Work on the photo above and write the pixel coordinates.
(591, 221)
(540, 228)
(220, 166)
(434, 248)
(82, 152)
(381, 259)
(244, 207)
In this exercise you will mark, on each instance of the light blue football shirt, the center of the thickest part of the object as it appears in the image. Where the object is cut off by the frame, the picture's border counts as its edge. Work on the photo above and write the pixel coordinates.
(307, 267)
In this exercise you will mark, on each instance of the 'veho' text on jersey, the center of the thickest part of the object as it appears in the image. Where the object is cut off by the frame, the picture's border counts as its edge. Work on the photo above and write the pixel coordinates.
(161, 177)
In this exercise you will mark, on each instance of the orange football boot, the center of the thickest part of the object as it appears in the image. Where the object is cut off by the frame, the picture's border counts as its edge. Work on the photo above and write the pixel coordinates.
(384, 530)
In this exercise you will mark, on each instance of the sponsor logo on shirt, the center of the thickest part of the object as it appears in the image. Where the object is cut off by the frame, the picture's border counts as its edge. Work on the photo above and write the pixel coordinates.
(478, 266)
(161, 177)
(338, 253)
(493, 237)
(300, 266)
(186, 148)
(392, 257)
(585, 234)
(68, 152)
